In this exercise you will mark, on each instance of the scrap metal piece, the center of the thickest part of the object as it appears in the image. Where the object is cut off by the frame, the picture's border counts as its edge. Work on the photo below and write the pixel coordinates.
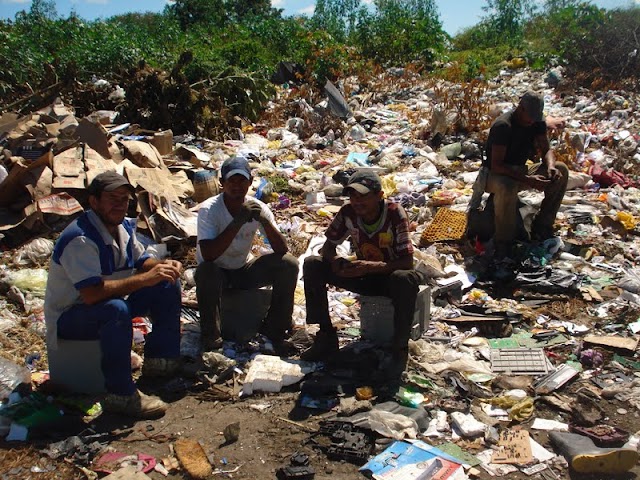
(519, 361)
(555, 379)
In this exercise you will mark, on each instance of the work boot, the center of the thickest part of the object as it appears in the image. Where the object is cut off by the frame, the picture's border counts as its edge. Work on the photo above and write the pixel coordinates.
(210, 343)
(137, 405)
(284, 348)
(324, 346)
(584, 457)
(160, 367)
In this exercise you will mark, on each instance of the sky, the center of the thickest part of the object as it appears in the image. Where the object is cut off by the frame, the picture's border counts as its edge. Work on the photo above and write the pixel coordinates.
(455, 15)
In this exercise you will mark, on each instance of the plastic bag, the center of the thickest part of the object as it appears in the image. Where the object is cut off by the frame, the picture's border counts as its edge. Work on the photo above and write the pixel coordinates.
(11, 375)
(33, 280)
(36, 252)
(392, 425)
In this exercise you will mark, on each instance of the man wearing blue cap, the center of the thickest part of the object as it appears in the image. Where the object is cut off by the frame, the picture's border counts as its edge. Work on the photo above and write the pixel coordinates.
(100, 278)
(227, 225)
(514, 138)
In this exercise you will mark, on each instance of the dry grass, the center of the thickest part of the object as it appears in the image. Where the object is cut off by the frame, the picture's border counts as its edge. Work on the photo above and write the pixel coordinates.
(17, 463)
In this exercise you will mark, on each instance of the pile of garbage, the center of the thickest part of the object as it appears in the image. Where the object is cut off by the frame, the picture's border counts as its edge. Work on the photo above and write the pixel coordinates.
(500, 375)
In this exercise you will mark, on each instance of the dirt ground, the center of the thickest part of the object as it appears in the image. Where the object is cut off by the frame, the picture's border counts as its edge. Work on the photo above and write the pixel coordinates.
(272, 428)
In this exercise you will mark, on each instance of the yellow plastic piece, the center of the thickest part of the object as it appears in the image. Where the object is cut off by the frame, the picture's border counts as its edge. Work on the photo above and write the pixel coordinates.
(626, 219)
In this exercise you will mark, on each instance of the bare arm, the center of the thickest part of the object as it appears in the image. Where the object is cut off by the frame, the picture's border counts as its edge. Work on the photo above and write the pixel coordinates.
(498, 166)
(356, 268)
(152, 272)
(275, 237)
(212, 249)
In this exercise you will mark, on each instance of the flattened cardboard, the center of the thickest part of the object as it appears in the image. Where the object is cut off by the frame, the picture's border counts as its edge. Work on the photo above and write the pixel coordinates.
(68, 163)
(94, 135)
(143, 154)
(155, 181)
(64, 183)
(61, 204)
(614, 342)
(515, 448)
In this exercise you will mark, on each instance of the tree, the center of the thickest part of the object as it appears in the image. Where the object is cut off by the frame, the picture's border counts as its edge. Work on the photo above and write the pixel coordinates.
(506, 19)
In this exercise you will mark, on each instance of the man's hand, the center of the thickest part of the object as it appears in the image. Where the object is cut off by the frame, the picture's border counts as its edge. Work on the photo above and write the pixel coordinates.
(244, 215)
(539, 182)
(168, 270)
(352, 269)
(553, 173)
(256, 212)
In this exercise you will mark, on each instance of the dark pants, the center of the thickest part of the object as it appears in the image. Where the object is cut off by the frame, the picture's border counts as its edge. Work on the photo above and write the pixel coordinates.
(505, 190)
(110, 322)
(279, 271)
(400, 286)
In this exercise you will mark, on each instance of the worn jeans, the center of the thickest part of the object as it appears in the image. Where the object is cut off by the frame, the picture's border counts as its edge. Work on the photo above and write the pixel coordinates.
(505, 190)
(400, 286)
(111, 323)
(279, 271)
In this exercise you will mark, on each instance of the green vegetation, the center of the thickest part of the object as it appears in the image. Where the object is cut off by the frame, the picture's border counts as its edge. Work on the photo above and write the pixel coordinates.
(204, 46)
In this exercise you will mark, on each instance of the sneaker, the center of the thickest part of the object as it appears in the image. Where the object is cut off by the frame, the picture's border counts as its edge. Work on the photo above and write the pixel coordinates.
(137, 405)
(324, 346)
(160, 367)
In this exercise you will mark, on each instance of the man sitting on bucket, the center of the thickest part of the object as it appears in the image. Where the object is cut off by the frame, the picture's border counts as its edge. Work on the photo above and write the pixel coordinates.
(379, 231)
(100, 278)
(515, 137)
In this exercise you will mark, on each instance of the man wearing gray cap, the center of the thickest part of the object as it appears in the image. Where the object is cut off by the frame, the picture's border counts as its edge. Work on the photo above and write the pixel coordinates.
(379, 233)
(227, 226)
(514, 138)
(100, 278)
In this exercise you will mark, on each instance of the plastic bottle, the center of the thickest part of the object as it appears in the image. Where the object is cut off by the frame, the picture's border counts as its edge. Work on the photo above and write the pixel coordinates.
(11, 375)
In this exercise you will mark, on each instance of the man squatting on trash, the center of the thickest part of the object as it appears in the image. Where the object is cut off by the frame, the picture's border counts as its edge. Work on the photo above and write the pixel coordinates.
(99, 280)
(379, 231)
(227, 225)
(514, 138)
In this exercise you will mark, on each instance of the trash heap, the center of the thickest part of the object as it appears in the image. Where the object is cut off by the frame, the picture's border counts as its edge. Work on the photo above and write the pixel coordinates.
(500, 374)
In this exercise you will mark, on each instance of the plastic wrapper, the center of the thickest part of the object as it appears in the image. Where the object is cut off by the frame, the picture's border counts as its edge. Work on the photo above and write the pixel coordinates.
(36, 252)
(392, 425)
(11, 375)
(33, 280)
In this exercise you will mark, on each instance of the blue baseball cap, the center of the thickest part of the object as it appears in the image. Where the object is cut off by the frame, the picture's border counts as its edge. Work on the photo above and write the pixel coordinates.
(235, 166)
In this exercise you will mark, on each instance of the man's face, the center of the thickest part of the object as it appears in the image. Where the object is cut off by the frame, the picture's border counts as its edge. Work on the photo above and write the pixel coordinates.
(524, 119)
(111, 206)
(366, 205)
(236, 187)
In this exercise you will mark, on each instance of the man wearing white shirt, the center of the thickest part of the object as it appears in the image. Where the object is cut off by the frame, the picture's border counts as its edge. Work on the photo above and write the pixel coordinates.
(227, 225)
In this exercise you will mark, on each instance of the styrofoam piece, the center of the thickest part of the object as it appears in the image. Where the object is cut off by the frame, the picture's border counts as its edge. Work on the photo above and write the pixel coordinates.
(467, 425)
(269, 373)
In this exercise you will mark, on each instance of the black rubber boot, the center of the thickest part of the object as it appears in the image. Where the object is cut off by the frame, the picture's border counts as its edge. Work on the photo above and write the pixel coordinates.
(323, 348)
(584, 457)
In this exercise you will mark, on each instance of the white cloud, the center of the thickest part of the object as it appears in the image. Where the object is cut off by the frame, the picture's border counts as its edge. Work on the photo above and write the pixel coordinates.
(307, 10)
(97, 2)
(277, 3)
(370, 2)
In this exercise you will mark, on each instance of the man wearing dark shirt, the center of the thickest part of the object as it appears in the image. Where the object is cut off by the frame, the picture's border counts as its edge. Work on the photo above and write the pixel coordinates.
(514, 138)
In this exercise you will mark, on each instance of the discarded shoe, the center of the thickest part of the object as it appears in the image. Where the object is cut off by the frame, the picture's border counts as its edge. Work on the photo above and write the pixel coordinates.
(602, 435)
(324, 346)
(160, 367)
(137, 405)
(584, 457)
